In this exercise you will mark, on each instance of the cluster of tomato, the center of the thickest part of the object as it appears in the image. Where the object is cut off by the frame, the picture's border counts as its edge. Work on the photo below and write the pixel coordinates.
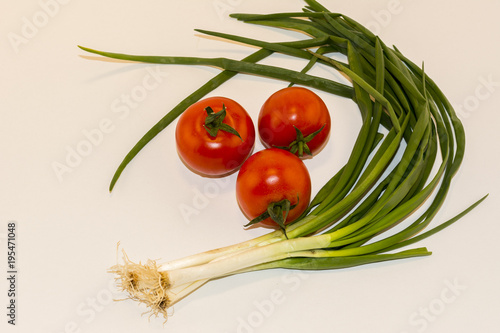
(215, 137)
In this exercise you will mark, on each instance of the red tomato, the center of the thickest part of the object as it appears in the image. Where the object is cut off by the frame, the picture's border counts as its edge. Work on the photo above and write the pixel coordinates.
(270, 176)
(294, 108)
(220, 154)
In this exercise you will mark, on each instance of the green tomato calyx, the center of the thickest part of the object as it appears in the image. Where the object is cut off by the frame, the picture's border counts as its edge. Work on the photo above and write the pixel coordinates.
(277, 211)
(299, 145)
(214, 122)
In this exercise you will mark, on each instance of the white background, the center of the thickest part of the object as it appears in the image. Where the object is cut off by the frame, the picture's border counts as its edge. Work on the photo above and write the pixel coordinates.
(68, 224)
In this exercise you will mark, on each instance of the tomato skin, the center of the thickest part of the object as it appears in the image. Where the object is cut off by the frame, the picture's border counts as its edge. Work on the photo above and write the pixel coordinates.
(272, 175)
(214, 156)
(289, 107)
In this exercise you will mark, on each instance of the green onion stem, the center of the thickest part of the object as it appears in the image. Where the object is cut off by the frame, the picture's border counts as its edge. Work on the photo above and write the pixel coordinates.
(240, 67)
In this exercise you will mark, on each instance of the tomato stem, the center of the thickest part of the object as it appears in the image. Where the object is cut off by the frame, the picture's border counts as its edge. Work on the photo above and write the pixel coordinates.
(299, 145)
(277, 211)
(214, 122)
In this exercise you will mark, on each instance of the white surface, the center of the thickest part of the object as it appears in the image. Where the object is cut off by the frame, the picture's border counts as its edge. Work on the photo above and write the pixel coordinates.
(52, 93)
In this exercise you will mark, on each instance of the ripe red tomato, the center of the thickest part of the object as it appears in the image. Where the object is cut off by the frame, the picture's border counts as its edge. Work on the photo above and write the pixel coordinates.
(271, 176)
(229, 144)
(291, 109)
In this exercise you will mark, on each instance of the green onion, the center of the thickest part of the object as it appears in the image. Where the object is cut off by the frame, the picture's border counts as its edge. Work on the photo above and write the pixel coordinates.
(386, 181)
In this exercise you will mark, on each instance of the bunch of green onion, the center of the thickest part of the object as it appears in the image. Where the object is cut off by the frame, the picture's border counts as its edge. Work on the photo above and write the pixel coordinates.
(375, 190)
